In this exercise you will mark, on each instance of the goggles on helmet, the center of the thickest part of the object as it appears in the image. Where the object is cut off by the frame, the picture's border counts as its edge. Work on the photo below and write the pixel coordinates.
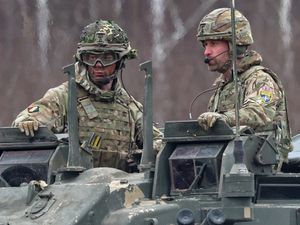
(106, 58)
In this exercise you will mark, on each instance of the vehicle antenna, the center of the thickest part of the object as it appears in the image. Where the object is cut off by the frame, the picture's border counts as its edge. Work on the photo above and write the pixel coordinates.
(234, 70)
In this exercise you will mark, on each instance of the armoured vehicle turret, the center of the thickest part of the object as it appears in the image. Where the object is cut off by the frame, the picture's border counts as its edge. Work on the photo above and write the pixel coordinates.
(199, 177)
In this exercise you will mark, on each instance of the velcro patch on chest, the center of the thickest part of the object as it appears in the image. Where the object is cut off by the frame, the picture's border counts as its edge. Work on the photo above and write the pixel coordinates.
(88, 107)
(266, 94)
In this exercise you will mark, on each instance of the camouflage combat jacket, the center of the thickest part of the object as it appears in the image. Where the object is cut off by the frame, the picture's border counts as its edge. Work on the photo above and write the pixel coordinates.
(114, 117)
(262, 99)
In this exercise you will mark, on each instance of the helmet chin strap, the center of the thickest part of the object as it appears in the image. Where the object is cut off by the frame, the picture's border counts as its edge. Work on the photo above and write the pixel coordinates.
(226, 66)
(241, 50)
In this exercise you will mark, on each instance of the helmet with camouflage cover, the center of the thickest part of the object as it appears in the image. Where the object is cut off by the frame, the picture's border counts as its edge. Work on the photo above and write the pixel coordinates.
(105, 35)
(217, 26)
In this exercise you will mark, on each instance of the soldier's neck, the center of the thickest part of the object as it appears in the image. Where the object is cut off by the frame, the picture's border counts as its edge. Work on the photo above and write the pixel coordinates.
(106, 87)
(228, 74)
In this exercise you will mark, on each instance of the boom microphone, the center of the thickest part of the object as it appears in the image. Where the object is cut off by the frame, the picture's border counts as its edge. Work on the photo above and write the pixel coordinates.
(207, 60)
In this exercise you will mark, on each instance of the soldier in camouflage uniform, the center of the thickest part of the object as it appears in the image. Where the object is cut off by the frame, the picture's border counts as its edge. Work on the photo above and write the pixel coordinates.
(263, 104)
(104, 107)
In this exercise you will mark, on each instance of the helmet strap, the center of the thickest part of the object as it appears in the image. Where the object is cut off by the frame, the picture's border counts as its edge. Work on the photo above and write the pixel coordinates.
(228, 64)
(240, 50)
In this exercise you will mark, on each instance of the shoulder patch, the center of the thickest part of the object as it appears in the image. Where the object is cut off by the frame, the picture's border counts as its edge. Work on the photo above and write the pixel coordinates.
(33, 109)
(266, 94)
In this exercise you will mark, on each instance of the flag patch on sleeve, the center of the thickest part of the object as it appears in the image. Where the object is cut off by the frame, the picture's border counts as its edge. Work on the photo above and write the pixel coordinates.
(266, 94)
(33, 109)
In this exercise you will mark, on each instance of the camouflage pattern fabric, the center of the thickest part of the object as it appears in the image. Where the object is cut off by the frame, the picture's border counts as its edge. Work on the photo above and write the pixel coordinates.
(104, 35)
(113, 116)
(217, 26)
(262, 101)
(110, 30)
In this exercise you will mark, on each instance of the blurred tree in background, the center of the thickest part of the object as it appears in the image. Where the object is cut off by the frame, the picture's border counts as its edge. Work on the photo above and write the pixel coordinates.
(39, 37)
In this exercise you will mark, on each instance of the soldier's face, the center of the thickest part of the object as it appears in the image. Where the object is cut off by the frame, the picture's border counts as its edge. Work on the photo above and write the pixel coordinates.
(98, 72)
(218, 54)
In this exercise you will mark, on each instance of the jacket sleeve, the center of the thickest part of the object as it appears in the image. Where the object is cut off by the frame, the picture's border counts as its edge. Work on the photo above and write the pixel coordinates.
(261, 96)
(49, 111)
(137, 111)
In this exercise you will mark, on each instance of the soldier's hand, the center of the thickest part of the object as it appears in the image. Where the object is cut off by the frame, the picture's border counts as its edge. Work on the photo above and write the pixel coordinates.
(208, 119)
(28, 127)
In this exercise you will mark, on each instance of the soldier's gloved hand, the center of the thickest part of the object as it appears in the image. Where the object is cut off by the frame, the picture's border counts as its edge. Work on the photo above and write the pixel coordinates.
(157, 145)
(208, 119)
(28, 127)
